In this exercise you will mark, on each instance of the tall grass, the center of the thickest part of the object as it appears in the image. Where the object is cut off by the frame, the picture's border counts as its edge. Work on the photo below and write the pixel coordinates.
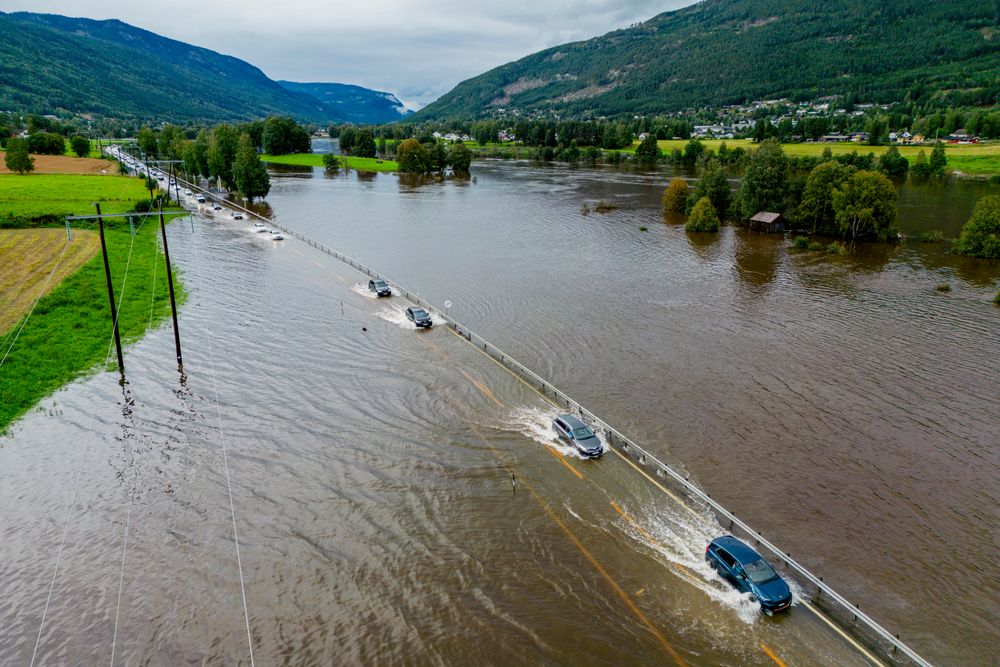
(40, 195)
(68, 333)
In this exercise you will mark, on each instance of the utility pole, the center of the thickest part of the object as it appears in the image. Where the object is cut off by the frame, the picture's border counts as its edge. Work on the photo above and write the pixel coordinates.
(170, 286)
(111, 293)
(177, 186)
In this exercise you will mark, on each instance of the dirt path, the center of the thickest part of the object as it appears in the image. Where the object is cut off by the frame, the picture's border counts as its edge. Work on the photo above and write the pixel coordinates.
(27, 256)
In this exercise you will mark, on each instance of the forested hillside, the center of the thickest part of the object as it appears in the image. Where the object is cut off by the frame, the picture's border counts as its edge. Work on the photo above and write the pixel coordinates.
(51, 64)
(721, 52)
(353, 104)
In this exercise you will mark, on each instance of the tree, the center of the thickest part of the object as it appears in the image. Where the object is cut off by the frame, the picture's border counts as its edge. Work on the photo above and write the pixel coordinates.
(648, 151)
(17, 158)
(331, 162)
(347, 137)
(715, 185)
(877, 132)
(980, 236)
(692, 151)
(364, 144)
(281, 135)
(894, 164)
(46, 143)
(765, 181)
(460, 158)
(411, 156)
(170, 142)
(147, 141)
(80, 145)
(703, 217)
(675, 196)
(250, 176)
(816, 208)
(222, 148)
(865, 206)
(437, 158)
(938, 160)
(921, 168)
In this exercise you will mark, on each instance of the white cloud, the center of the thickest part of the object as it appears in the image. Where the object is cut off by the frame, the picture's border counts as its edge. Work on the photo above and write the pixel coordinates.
(417, 49)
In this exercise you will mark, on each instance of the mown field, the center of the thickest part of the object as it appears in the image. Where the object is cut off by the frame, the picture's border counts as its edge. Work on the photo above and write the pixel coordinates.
(68, 333)
(316, 160)
(978, 159)
(34, 195)
(32, 260)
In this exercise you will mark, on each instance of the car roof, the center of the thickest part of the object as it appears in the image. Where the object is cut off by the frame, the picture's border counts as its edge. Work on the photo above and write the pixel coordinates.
(572, 421)
(737, 549)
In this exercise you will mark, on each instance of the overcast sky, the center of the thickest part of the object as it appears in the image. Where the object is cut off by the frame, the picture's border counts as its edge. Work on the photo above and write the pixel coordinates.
(417, 49)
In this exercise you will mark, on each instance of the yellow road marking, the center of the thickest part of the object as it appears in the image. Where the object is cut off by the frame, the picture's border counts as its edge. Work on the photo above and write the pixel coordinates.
(562, 460)
(481, 387)
(847, 637)
(772, 655)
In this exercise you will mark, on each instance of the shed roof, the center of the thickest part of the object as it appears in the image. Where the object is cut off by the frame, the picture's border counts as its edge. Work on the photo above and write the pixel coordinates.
(766, 216)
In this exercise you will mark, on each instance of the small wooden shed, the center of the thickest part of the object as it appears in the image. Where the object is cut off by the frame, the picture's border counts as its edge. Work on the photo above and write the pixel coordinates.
(766, 221)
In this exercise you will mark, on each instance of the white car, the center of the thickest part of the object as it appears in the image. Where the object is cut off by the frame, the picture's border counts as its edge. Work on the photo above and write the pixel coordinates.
(237, 215)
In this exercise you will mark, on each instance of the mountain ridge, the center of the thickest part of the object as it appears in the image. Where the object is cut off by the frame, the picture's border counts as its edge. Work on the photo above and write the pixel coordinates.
(720, 52)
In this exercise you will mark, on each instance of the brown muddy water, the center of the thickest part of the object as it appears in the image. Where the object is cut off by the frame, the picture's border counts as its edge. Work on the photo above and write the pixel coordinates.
(842, 405)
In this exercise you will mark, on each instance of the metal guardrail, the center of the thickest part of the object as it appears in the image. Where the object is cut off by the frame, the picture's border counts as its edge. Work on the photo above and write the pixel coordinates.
(884, 641)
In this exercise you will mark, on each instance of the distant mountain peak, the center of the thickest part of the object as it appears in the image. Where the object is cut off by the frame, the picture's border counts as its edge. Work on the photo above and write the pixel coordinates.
(353, 103)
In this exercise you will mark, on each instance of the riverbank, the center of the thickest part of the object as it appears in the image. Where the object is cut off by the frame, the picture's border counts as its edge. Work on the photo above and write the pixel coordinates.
(316, 160)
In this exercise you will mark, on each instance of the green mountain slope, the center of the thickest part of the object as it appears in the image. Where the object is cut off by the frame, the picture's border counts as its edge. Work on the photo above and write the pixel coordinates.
(50, 63)
(353, 104)
(721, 52)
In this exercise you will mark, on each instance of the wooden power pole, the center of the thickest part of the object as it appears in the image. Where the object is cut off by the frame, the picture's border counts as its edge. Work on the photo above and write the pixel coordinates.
(170, 287)
(111, 292)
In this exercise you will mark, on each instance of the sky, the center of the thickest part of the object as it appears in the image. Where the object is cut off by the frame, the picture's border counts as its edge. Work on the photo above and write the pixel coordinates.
(416, 49)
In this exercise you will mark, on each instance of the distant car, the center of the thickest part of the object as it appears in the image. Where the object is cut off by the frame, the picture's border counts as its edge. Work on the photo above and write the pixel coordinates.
(188, 193)
(379, 287)
(200, 199)
(276, 235)
(745, 569)
(237, 215)
(579, 435)
(216, 207)
(418, 316)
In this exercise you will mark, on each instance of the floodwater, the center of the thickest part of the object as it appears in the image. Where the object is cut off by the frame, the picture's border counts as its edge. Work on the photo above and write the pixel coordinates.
(401, 499)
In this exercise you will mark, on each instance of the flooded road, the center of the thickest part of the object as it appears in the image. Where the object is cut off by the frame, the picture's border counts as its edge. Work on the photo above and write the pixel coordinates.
(400, 499)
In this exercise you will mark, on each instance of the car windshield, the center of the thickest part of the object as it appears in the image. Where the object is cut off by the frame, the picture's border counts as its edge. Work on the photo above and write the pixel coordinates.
(380, 283)
(582, 433)
(419, 312)
(759, 571)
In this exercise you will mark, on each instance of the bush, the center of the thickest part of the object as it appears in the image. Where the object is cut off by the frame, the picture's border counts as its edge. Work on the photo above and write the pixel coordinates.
(996, 299)
(933, 236)
(943, 287)
(981, 234)
(644, 229)
(815, 245)
(46, 143)
(675, 196)
(331, 162)
(800, 242)
(604, 206)
(703, 217)
(836, 248)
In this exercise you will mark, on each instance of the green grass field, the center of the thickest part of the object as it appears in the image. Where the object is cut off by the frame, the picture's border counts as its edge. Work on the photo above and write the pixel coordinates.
(316, 160)
(978, 159)
(68, 333)
(36, 195)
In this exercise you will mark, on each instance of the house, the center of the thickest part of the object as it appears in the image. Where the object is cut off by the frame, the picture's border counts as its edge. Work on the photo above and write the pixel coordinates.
(766, 221)
(835, 138)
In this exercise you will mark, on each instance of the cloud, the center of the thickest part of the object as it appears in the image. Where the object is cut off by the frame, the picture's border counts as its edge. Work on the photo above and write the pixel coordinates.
(417, 49)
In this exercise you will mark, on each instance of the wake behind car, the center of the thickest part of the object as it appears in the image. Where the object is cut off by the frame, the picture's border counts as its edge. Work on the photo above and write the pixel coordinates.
(379, 287)
(419, 316)
(748, 572)
(579, 435)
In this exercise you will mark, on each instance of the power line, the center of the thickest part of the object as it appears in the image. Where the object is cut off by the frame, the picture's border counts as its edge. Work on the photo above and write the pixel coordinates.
(121, 296)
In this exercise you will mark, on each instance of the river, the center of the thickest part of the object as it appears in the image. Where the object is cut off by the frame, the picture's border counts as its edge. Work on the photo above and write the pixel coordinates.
(842, 405)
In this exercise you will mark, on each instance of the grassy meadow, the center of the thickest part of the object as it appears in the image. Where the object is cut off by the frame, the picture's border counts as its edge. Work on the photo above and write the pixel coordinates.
(36, 195)
(316, 160)
(977, 159)
(67, 334)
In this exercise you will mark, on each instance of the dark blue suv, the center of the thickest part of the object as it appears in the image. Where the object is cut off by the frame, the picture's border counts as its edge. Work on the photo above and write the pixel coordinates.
(745, 569)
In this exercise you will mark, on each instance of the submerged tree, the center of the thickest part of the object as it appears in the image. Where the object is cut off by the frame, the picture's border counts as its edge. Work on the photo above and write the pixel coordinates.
(815, 210)
(865, 206)
(715, 185)
(648, 151)
(981, 234)
(675, 195)
(460, 158)
(765, 181)
(703, 217)
(412, 157)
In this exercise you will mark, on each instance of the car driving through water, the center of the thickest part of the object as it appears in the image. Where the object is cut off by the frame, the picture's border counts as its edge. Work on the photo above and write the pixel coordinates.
(419, 316)
(748, 572)
(379, 287)
(578, 434)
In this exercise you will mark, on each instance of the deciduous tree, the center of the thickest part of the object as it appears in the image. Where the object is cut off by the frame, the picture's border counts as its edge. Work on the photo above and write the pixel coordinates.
(250, 176)
(815, 210)
(16, 158)
(865, 206)
(411, 156)
(703, 217)
(765, 181)
(981, 234)
(648, 151)
(675, 196)
(364, 144)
